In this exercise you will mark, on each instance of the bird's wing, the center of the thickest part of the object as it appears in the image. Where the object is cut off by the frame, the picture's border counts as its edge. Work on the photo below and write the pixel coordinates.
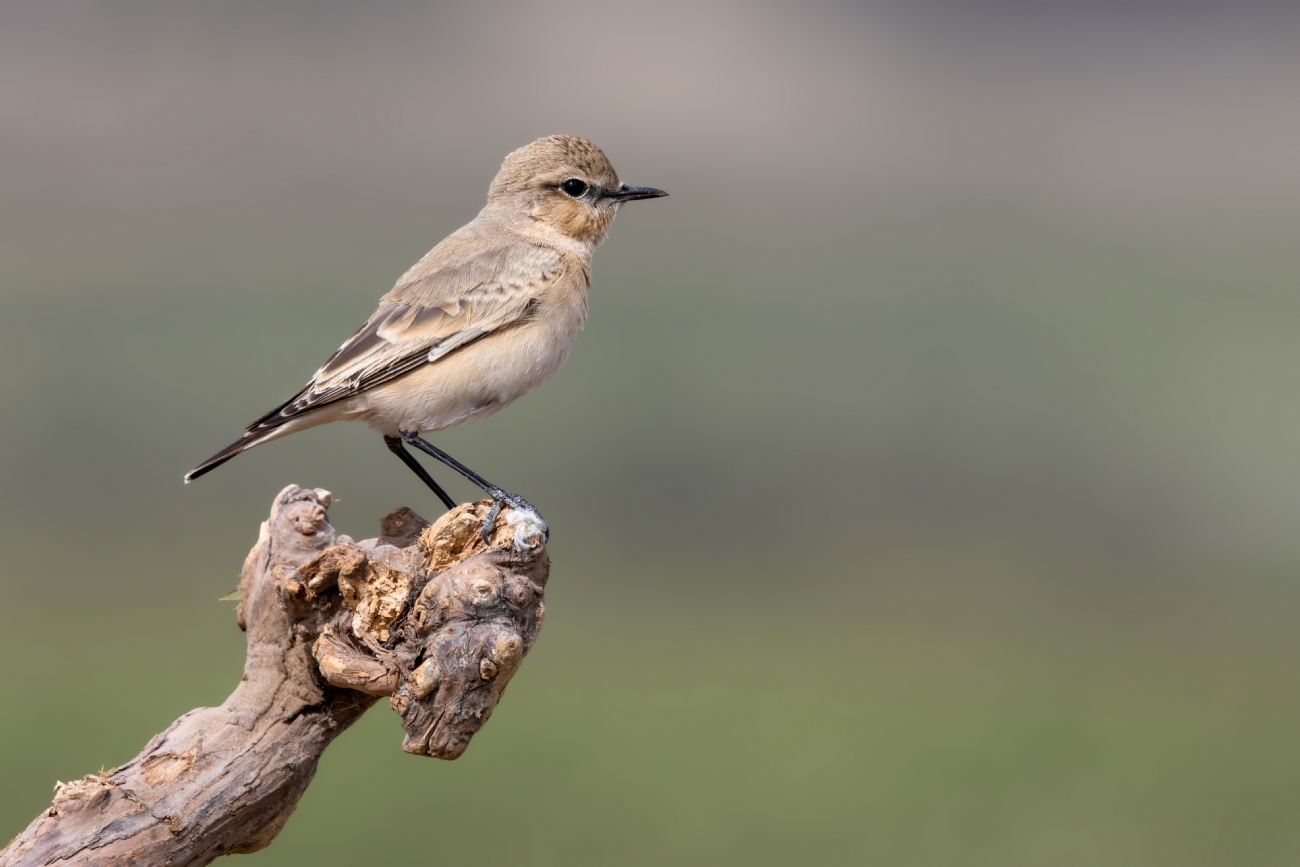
(440, 305)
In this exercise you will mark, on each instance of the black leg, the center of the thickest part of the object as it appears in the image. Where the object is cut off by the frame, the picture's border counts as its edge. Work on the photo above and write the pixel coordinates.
(395, 446)
(499, 497)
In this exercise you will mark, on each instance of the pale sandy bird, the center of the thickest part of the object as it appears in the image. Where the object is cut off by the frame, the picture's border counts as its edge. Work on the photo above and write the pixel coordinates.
(484, 318)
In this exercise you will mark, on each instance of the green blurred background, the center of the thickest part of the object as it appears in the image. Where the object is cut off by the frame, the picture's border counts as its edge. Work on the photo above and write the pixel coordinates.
(924, 489)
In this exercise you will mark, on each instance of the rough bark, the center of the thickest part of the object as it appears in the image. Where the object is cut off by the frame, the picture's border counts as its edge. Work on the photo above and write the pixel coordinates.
(432, 616)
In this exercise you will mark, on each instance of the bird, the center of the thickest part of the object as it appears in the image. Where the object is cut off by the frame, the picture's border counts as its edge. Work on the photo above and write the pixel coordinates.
(485, 317)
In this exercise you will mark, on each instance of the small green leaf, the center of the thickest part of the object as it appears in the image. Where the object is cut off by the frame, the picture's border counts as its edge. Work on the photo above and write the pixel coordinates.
(233, 596)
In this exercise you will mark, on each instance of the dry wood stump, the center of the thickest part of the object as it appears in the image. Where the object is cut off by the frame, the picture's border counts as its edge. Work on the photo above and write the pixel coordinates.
(432, 616)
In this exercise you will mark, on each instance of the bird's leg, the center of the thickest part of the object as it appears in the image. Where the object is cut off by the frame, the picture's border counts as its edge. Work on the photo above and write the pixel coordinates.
(499, 497)
(395, 446)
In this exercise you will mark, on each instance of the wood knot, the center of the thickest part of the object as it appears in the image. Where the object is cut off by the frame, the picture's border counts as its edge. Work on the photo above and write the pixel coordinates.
(401, 527)
(307, 517)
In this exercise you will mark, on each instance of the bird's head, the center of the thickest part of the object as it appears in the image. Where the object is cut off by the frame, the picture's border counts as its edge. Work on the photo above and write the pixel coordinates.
(566, 184)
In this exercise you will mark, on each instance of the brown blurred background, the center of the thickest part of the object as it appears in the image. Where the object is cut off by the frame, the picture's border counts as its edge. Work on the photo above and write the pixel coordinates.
(924, 489)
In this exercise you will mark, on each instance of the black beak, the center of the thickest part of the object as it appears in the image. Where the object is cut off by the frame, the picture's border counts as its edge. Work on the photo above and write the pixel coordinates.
(627, 194)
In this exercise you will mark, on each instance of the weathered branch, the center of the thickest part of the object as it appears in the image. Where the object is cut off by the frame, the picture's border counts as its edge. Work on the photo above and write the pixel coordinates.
(431, 616)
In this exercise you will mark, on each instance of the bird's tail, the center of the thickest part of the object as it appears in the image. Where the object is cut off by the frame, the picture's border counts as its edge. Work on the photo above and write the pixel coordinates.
(247, 441)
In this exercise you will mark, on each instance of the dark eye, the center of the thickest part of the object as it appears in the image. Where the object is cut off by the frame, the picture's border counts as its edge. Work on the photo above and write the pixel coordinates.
(574, 187)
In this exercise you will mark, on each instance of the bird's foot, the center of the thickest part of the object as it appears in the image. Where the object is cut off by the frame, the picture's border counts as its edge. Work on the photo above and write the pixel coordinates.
(502, 498)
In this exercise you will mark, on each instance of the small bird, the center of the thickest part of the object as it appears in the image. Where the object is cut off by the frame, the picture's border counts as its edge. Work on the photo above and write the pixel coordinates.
(484, 318)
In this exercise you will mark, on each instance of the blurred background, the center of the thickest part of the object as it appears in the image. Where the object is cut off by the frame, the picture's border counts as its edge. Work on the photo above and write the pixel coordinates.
(924, 488)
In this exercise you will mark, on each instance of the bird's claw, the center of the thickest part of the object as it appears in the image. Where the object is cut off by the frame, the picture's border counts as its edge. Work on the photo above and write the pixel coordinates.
(503, 498)
(491, 520)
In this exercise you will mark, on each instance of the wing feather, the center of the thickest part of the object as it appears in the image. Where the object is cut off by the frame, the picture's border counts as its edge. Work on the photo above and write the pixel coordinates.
(443, 303)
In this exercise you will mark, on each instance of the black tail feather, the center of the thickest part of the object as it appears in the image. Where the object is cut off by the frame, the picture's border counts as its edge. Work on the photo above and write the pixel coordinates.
(247, 441)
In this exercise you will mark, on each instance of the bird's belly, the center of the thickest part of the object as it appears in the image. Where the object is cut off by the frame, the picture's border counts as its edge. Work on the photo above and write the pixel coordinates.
(472, 382)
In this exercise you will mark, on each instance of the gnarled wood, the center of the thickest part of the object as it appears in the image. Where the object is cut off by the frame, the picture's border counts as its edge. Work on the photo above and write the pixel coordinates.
(432, 616)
